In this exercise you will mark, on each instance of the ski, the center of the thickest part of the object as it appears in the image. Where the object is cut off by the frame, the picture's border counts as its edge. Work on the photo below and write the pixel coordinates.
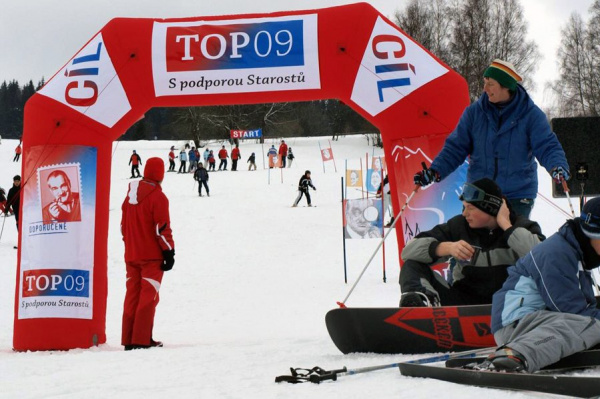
(410, 330)
(588, 358)
(557, 384)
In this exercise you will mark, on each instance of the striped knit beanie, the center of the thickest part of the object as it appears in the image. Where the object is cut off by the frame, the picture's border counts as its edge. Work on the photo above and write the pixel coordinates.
(504, 73)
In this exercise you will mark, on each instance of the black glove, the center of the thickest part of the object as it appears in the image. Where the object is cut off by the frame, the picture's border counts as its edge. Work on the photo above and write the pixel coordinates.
(168, 260)
(426, 176)
(314, 188)
(558, 174)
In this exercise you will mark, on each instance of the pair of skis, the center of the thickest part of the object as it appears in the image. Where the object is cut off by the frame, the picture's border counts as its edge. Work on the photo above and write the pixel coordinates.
(551, 379)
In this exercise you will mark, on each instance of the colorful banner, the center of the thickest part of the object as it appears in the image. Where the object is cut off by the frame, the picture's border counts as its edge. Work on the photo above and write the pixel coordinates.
(378, 163)
(373, 179)
(246, 55)
(363, 218)
(246, 134)
(382, 81)
(57, 245)
(79, 84)
(275, 161)
(327, 154)
(354, 178)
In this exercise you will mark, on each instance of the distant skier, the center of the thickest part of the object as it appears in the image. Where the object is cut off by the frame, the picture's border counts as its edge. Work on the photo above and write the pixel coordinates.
(182, 162)
(223, 155)
(193, 159)
(201, 176)
(303, 188)
(135, 161)
(211, 161)
(272, 156)
(290, 157)
(18, 151)
(252, 161)
(172, 159)
(283, 151)
(235, 156)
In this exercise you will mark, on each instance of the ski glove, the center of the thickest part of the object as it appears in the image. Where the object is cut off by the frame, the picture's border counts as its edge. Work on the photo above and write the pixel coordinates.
(558, 174)
(168, 260)
(426, 176)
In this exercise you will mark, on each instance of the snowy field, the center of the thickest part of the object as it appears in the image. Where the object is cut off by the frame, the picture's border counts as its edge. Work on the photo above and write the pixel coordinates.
(247, 298)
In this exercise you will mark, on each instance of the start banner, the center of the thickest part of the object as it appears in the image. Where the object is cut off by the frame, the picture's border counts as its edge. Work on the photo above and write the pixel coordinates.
(246, 134)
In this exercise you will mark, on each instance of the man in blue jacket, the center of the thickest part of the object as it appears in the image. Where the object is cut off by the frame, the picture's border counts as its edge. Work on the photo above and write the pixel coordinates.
(546, 309)
(502, 134)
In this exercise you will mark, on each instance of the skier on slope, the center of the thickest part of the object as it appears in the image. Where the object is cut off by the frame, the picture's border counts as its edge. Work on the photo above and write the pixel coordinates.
(303, 185)
(201, 176)
(135, 161)
(502, 134)
(486, 239)
(546, 309)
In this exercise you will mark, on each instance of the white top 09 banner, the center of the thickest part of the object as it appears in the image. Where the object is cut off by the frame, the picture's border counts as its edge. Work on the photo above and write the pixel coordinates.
(235, 56)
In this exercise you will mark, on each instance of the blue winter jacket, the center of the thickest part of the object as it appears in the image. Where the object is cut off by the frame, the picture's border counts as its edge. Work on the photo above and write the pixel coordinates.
(502, 144)
(551, 276)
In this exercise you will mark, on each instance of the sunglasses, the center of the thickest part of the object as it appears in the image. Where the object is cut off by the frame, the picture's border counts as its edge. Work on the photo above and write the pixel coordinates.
(472, 193)
(590, 220)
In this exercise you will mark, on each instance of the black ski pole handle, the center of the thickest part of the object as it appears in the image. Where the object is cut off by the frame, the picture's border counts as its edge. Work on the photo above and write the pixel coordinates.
(424, 165)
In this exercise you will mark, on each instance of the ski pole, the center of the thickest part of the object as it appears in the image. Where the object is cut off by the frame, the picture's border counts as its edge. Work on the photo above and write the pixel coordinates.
(417, 187)
(566, 190)
(317, 374)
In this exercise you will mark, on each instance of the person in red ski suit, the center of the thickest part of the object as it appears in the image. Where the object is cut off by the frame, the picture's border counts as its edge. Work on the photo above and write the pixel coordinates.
(18, 151)
(223, 155)
(172, 159)
(235, 156)
(149, 252)
(283, 152)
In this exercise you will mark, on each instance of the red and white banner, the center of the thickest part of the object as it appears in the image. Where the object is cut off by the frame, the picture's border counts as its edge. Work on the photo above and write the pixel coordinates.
(326, 154)
(349, 52)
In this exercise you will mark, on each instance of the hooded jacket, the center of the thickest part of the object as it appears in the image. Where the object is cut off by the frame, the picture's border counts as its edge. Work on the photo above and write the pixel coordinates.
(554, 276)
(502, 144)
(145, 223)
(487, 271)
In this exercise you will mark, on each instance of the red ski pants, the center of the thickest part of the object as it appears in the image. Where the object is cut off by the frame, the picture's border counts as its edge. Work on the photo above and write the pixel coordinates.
(141, 298)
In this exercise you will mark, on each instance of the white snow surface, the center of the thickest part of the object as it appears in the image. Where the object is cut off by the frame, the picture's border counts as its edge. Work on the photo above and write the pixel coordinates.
(247, 298)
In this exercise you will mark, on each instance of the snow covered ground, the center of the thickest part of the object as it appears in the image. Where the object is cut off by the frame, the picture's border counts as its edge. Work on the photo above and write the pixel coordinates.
(247, 298)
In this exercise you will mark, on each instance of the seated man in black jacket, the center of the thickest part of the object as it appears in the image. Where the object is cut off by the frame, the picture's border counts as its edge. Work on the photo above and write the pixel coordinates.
(485, 240)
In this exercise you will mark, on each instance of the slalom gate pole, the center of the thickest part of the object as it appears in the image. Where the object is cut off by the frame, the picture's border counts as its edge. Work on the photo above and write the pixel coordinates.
(398, 217)
(317, 374)
(4, 221)
(343, 234)
(566, 190)
(558, 208)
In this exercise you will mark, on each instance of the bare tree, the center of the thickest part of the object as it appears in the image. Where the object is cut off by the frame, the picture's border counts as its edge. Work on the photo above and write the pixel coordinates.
(575, 87)
(469, 34)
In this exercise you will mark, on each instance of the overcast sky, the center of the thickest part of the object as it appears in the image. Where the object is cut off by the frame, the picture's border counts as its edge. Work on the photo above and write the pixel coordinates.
(38, 37)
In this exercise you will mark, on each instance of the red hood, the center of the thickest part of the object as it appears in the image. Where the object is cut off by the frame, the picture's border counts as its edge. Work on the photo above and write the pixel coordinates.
(140, 189)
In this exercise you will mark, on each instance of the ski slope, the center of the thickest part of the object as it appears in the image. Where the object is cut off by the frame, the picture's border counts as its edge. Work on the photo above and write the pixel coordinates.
(247, 298)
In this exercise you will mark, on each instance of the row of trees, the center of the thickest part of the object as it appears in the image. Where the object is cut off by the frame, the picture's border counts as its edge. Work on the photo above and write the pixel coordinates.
(577, 90)
(468, 34)
(465, 34)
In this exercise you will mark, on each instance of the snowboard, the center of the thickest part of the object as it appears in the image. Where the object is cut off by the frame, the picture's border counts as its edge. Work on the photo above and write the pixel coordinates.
(411, 330)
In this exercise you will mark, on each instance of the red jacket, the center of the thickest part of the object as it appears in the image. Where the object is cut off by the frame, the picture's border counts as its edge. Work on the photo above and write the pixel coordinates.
(145, 224)
(235, 153)
(18, 149)
(171, 155)
(222, 153)
(283, 148)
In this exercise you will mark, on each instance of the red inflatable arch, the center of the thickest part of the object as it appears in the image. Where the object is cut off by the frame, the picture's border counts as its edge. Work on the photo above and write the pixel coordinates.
(351, 53)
